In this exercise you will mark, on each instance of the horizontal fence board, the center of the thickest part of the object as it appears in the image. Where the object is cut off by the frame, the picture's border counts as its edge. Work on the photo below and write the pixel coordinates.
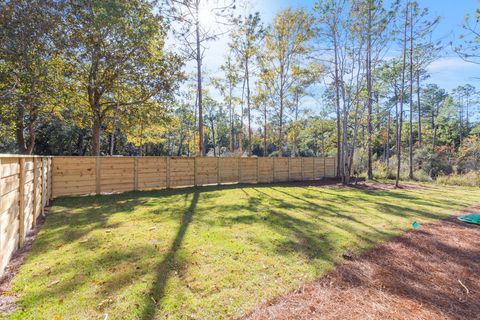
(9, 167)
(265, 170)
(280, 170)
(24, 192)
(9, 184)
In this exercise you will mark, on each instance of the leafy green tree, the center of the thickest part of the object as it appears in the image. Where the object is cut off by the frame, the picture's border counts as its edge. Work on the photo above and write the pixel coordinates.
(246, 39)
(287, 44)
(227, 85)
(117, 58)
(469, 154)
(434, 97)
(195, 30)
(469, 48)
(30, 66)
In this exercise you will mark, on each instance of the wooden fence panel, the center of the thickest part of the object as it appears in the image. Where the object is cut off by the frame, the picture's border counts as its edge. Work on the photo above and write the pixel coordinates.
(295, 169)
(73, 176)
(227, 170)
(182, 172)
(9, 209)
(206, 170)
(152, 173)
(49, 179)
(38, 190)
(116, 174)
(281, 167)
(29, 196)
(247, 168)
(23, 193)
(87, 175)
(308, 169)
(319, 164)
(265, 170)
(330, 167)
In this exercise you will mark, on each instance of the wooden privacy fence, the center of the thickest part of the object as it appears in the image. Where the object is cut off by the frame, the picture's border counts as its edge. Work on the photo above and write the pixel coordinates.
(99, 175)
(25, 190)
(28, 183)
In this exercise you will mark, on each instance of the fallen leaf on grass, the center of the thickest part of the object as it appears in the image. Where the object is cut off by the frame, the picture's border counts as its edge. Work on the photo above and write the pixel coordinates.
(102, 304)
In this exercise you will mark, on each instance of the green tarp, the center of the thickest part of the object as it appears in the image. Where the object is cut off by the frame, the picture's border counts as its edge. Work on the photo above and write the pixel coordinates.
(470, 218)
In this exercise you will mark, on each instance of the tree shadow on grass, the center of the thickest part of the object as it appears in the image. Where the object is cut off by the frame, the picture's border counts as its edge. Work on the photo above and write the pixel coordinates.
(300, 234)
(166, 266)
(63, 226)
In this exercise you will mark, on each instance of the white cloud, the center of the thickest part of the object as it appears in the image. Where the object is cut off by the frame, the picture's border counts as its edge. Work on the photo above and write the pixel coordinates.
(450, 72)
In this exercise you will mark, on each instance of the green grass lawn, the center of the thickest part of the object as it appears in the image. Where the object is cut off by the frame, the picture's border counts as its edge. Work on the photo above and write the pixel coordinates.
(207, 253)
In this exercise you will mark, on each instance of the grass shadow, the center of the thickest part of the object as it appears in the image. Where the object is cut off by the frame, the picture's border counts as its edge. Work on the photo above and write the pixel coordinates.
(165, 267)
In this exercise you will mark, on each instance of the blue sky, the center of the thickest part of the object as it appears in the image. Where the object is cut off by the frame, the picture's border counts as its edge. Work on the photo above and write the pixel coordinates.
(448, 72)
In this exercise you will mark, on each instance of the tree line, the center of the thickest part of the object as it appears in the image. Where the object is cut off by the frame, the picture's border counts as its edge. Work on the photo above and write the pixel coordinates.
(346, 78)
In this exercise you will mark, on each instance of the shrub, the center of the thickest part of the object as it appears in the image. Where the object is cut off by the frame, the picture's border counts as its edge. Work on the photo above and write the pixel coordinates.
(434, 162)
(380, 171)
(422, 176)
(469, 154)
(471, 179)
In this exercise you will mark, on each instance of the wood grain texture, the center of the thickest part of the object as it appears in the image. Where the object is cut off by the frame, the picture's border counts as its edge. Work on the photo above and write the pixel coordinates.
(24, 189)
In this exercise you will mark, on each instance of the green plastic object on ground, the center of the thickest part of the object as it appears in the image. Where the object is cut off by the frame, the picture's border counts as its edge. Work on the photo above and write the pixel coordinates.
(470, 218)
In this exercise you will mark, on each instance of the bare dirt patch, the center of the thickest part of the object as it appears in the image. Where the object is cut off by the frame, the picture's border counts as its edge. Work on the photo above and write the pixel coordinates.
(428, 273)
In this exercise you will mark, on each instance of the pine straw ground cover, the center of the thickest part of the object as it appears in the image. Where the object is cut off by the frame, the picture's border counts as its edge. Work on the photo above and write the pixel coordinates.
(430, 273)
(213, 252)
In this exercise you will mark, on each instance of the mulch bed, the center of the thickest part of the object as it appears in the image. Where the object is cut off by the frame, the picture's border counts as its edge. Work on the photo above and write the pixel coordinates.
(429, 273)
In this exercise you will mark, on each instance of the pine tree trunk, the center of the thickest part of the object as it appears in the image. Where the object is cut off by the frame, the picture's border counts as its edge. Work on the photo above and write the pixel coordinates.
(337, 101)
(369, 92)
(265, 131)
(387, 149)
(419, 108)
(232, 147)
(402, 94)
(410, 149)
(248, 109)
(199, 86)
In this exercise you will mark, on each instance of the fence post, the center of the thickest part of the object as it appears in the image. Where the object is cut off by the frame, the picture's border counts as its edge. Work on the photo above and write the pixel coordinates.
(334, 167)
(168, 171)
(273, 177)
(324, 167)
(314, 167)
(50, 180)
(135, 173)
(97, 175)
(43, 187)
(239, 169)
(288, 166)
(21, 203)
(257, 170)
(35, 178)
(301, 166)
(218, 170)
(195, 171)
